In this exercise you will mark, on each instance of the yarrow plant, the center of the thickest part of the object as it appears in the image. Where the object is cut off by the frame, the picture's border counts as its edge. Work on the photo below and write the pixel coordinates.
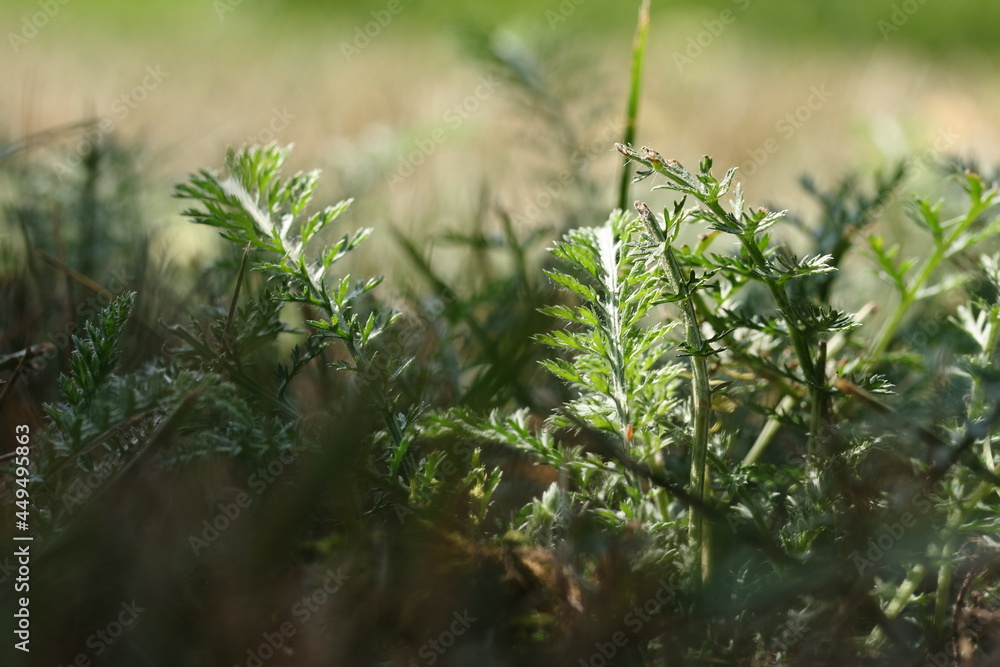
(668, 349)
(734, 460)
(251, 205)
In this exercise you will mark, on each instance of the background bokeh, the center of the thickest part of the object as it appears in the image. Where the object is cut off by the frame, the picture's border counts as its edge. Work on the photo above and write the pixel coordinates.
(359, 98)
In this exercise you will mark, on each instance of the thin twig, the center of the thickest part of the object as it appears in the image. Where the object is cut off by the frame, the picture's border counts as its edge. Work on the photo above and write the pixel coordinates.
(89, 283)
(232, 304)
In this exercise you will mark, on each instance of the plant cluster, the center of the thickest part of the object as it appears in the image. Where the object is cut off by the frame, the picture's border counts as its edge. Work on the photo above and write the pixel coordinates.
(634, 451)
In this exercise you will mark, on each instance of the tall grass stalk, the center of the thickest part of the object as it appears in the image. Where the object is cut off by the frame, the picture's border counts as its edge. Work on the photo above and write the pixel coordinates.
(634, 96)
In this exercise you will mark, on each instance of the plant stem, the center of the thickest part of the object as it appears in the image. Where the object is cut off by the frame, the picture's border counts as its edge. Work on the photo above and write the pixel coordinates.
(911, 293)
(655, 161)
(906, 590)
(700, 528)
(364, 366)
(943, 598)
(224, 347)
(818, 414)
(788, 401)
(903, 595)
(769, 431)
(799, 342)
(959, 514)
(609, 249)
(635, 91)
(707, 190)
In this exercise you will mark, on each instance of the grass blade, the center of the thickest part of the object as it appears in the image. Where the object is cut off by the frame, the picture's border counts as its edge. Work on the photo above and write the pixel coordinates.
(635, 92)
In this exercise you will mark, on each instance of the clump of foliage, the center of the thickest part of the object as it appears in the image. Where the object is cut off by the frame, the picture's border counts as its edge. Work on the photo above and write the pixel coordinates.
(721, 457)
(731, 444)
(811, 519)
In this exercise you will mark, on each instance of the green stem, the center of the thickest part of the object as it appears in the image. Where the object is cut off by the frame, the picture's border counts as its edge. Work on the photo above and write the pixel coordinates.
(901, 599)
(635, 90)
(956, 519)
(906, 301)
(363, 364)
(910, 294)
(906, 590)
(818, 414)
(709, 197)
(942, 600)
(775, 380)
(609, 260)
(811, 374)
(799, 342)
(655, 161)
(224, 346)
(789, 400)
(700, 528)
(769, 431)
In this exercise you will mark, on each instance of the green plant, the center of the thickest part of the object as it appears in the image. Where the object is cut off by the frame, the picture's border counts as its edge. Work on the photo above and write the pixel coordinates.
(726, 465)
(950, 237)
(617, 442)
(253, 206)
(659, 242)
(104, 421)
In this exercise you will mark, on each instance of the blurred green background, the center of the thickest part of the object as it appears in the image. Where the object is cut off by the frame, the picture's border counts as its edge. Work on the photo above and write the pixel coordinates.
(362, 88)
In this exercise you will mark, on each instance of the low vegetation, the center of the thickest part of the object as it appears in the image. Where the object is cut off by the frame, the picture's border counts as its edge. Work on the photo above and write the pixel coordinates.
(770, 444)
